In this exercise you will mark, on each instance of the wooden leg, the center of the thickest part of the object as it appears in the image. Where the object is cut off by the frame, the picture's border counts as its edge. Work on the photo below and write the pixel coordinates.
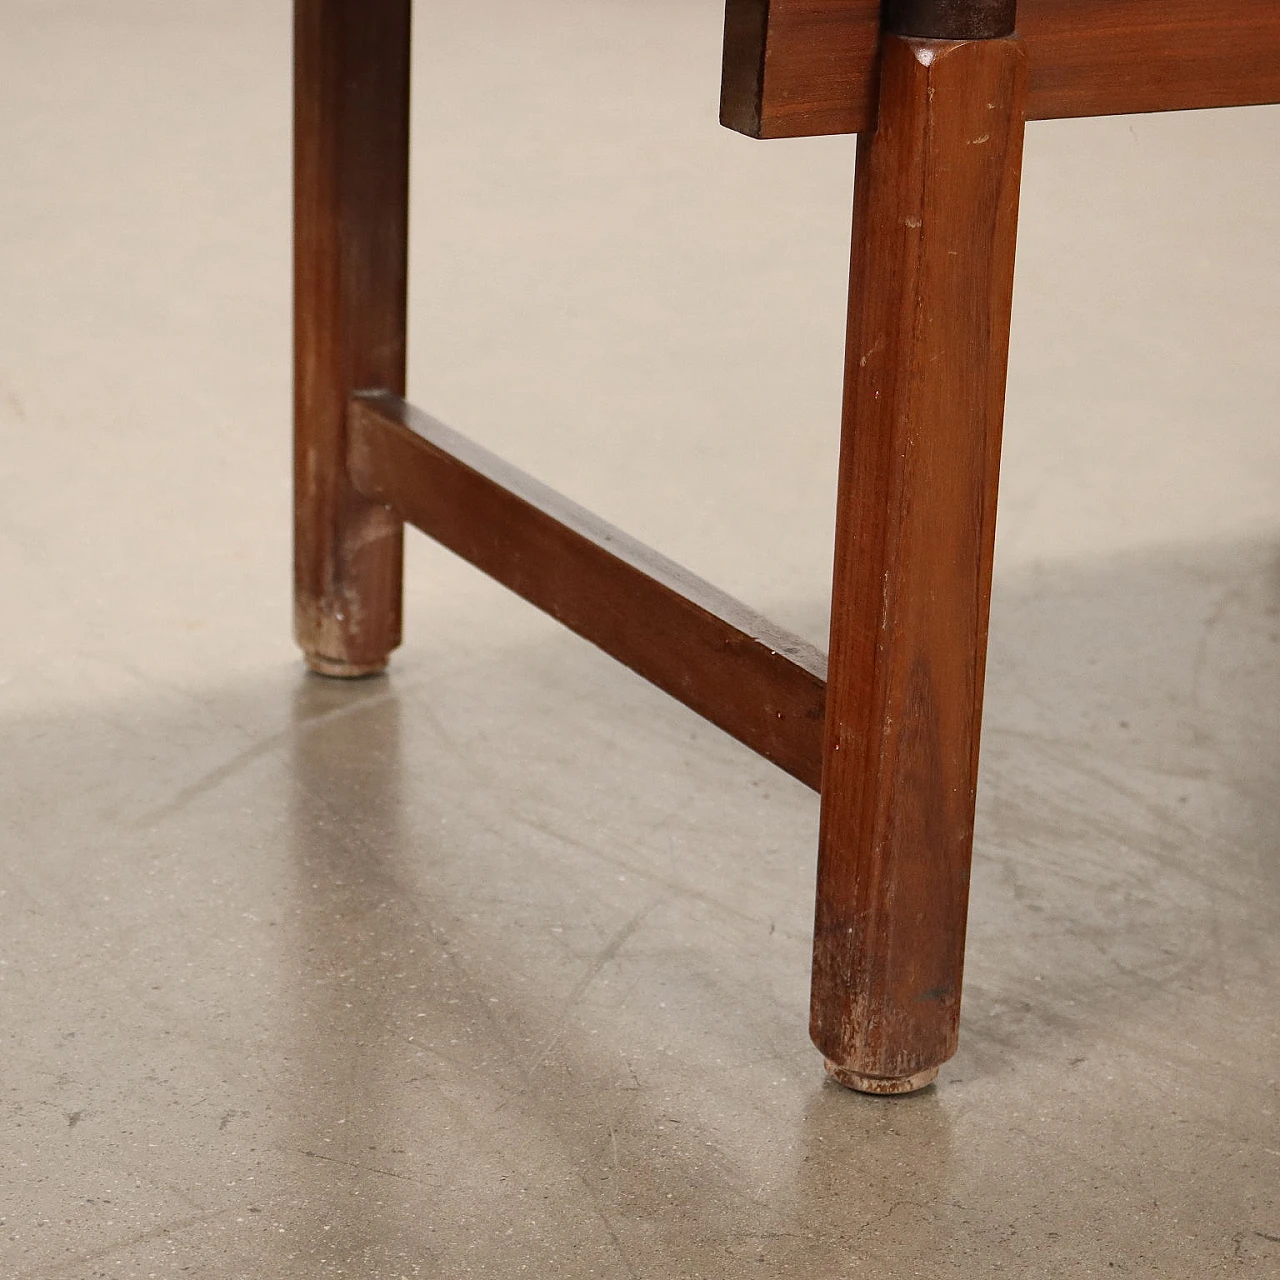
(351, 187)
(932, 277)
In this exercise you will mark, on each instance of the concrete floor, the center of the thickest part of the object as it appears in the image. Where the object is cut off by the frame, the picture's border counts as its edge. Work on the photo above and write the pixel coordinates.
(498, 966)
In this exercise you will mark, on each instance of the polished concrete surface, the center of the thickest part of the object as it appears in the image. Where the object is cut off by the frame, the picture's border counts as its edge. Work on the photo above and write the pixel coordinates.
(498, 966)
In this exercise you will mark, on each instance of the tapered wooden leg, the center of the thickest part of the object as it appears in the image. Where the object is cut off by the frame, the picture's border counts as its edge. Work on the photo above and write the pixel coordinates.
(351, 187)
(932, 271)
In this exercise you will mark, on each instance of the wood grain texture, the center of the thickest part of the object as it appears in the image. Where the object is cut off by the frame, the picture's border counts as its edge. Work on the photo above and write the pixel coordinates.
(757, 682)
(795, 68)
(805, 67)
(930, 296)
(351, 190)
(1100, 57)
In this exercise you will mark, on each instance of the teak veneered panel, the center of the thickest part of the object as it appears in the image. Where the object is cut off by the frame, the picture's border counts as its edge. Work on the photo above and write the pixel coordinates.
(795, 68)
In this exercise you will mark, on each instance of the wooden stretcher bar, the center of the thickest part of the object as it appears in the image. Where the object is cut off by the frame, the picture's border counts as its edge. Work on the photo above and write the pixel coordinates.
(759, 683)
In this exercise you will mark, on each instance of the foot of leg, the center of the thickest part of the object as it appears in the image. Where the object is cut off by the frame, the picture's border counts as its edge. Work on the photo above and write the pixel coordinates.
(856, 1081)
(337, 669)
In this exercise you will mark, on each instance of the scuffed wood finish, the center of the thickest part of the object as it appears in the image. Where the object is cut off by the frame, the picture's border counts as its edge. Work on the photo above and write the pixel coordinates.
(796, 68)
(756, 681)
(351, 190)
(930, 295)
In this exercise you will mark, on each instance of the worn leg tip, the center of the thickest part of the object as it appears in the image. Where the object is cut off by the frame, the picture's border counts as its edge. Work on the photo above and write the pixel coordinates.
(880, 1084)
(339, 669)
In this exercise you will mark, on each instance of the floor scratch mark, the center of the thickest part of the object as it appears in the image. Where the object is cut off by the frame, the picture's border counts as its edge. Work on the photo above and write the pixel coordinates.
(215, 777)
(353, 1164)
(73, 1266)
(611, 949)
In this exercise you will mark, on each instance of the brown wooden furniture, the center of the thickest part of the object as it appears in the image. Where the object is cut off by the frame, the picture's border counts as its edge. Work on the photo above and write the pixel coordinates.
(939, 91)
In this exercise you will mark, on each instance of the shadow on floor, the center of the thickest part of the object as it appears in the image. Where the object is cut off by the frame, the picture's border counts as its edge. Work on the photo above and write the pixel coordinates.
(498, 967)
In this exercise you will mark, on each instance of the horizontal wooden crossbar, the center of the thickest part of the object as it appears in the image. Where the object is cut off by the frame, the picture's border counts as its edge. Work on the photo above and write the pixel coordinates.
(757, 682)
(795, 68)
